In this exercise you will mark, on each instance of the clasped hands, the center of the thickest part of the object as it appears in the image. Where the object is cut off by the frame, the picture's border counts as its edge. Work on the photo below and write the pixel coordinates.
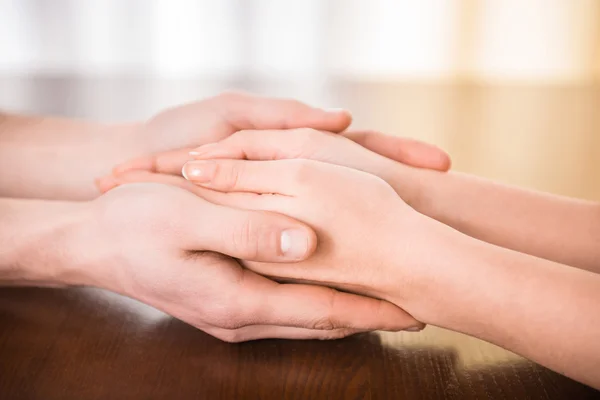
(283, 225)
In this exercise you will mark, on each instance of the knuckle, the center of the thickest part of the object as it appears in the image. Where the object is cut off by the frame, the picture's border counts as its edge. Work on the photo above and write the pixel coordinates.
(324, 324)
(301, 172)
(226, 319)
(245, 239)
(308, 139)
(242, 136)
(229, 335)
(150, 199)
(224, 310)
(327, 322)
(227, 175)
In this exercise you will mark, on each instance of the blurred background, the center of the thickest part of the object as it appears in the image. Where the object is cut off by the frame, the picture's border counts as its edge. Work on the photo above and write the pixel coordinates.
(511, 88)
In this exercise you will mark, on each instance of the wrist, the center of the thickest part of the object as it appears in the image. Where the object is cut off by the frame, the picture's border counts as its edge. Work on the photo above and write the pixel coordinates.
(434, 271)
(34, 235)
(407, 181)
(69, 154)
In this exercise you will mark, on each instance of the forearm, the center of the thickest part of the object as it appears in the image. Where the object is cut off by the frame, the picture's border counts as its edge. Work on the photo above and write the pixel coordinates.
(56, 158)
(552, 227)
(545, 311)
(33, 248)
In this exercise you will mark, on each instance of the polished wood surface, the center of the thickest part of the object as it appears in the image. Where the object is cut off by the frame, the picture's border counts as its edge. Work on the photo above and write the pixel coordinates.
(90, 344)
(85, 343)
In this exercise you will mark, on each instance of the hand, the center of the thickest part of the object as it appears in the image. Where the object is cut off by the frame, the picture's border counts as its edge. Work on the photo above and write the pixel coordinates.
(159, 244)
(321, 146)
(169, 137)
(370, 241)
(342, 149)
(176, 131)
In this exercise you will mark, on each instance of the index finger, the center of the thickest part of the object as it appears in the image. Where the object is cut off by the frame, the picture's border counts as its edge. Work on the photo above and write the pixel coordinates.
(245, 111)
(264, 177)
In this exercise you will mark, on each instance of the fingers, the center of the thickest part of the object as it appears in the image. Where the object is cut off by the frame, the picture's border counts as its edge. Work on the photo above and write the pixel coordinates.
(322, 146)
(407, 151)
(321, 308)
(244, 111)
(255, 332)
(266, 145)
(250, 201)
(248, 235)
(268, 177)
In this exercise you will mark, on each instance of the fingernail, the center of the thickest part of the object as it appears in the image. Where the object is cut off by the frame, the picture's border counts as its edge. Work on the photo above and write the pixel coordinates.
(414, 329)
(203, 150)
(294, 243)
(199, 171)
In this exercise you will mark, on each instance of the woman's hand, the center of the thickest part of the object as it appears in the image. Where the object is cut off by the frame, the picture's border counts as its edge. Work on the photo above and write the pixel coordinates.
(370, 241)
(330, 148)
(236, 121)
(371, 152)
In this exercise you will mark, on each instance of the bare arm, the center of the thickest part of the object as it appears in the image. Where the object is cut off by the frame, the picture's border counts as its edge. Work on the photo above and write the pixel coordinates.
(542, 310)
(544, 225)
(56, 158)
(32, 250)
(377, 245)
(553, 227)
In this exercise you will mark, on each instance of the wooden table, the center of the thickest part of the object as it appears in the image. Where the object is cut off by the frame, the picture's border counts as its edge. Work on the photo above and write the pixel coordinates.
(92, 344)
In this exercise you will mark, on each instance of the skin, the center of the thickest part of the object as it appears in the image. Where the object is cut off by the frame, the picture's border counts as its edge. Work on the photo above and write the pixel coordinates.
(458, 285)
(114, 241)
(553, 227)
(73, 153)
(170, 260)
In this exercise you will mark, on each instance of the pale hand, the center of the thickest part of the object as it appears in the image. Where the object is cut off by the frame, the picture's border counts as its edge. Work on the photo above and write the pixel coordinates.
(358, 150)
(160, 244)
(370, 241)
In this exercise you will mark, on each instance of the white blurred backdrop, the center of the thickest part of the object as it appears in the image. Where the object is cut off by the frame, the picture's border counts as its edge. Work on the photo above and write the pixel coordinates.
(473, 40)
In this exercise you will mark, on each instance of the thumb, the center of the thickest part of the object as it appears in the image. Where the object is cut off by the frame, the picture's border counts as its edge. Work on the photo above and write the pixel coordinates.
(250, 235)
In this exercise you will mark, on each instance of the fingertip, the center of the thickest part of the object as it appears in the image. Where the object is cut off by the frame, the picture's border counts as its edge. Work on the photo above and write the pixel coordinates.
(438, 158)
(106, 183)
(422, 155)
(445, 162)
(395, 319)
(340, 119)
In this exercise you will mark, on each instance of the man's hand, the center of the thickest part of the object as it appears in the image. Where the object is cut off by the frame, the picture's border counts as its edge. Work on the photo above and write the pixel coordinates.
(210, 120)
(169, 138)
(159, 244)
(73, 153)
